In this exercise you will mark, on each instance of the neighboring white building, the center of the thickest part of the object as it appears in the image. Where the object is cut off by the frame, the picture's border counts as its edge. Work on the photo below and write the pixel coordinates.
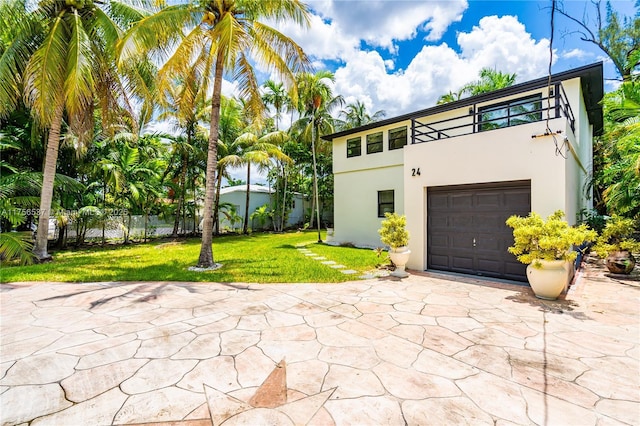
(259, 196)
(459, 170)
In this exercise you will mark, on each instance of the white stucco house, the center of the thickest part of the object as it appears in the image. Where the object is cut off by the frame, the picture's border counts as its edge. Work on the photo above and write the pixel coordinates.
(259, 196)
(459, 170)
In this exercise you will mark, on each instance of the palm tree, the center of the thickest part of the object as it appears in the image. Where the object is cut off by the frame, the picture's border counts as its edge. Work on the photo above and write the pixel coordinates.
(449, 97)
(315, 104)
(184, 102)
(59, 61)
(356, 115)
(221, 37)
(229, 147)
(276, 96)
(490, 80)
(259, 151)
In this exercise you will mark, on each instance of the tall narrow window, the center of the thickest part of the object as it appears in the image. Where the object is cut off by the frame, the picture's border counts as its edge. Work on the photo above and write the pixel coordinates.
(512, 113)
(397, 138)
(354, 147)
(374, 143)
(385, 202)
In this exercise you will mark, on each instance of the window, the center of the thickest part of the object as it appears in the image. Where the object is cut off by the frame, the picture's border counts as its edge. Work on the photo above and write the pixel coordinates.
(512, 113)
(385, 202)
(397, 138)
(354, 147)
(374, 143)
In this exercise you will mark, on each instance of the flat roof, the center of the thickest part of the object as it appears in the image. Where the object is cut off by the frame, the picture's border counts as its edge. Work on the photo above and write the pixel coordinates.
(591, 79)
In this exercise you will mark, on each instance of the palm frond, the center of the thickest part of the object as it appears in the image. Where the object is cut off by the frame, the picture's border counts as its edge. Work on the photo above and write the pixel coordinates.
(45, 73)
(15, 245)
(79, 84)
(157, 33)
(23, 31)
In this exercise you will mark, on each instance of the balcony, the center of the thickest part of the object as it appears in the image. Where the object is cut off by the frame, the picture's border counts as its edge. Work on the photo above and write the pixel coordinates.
(493, 114)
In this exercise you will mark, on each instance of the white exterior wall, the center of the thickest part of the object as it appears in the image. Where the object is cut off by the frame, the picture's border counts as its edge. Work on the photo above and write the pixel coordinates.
(508, 154)
(502, 155)
(238, 197)
(357, 181)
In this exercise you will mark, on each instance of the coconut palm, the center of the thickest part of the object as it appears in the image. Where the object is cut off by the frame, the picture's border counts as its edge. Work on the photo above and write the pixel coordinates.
(355, 115)
(259, 151)
(184, 102)
(276, 96)
(218, 37)
(316, 101)
(60, 59)
(449, 97)
(229, 147)
(490, 80)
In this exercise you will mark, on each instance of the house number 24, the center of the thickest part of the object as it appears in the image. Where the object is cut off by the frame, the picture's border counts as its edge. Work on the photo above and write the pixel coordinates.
(415, 172)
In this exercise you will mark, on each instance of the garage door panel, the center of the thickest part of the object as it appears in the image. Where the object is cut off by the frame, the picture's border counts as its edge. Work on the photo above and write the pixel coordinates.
(487, 222)
(439, 202)
(439, 241)
(517, 198)
(461, 241)
(490, 201)
(462, 263)
(461, 201)
(462, 221)
(475, 211)
(490, 267)
(488, 242)
(440, 262)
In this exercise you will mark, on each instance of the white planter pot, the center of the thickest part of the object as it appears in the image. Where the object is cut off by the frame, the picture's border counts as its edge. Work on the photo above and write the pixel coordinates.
(399, 257)
(549, 279)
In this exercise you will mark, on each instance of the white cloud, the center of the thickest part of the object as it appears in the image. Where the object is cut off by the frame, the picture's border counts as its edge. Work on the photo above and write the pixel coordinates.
(380, 23)
(500, 43)
(575, 54)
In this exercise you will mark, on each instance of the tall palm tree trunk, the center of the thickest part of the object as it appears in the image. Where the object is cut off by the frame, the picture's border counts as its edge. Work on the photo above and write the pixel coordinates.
(181, 199)
(315, 174)
(206, 249)
(284, 199)
(245, 226)
(216, 207)
(51, 158)
(104, 210)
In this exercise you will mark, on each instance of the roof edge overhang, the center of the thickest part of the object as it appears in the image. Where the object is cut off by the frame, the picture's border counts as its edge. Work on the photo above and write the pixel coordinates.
(591, 80)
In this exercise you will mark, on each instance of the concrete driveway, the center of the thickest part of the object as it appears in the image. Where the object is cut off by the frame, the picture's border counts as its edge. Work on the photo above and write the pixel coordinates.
(430, 349)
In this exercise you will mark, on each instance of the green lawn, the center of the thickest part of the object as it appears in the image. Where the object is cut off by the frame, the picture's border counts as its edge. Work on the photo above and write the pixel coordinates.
(258, 258)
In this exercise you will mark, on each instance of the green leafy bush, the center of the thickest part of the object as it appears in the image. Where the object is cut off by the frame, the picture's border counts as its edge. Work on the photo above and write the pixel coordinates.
(617, 235)
(537, 239)
(393, 231)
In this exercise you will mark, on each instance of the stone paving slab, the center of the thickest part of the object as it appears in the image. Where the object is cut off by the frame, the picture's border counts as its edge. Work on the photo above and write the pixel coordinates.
(428, 349)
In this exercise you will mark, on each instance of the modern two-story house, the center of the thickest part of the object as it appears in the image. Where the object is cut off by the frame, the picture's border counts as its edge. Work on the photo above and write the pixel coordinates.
(459, 170)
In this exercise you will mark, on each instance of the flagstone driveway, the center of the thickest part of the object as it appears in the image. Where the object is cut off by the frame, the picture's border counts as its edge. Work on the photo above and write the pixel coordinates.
(429, 349)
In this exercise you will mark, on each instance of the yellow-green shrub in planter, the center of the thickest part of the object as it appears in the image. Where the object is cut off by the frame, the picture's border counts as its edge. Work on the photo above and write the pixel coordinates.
(394, 234)
(617, 245)
(546, 246)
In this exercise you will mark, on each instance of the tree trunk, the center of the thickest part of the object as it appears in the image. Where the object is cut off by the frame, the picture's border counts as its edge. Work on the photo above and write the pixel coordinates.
(146, 223)
(315, 174)
(181, 198)
(104, 210)
(206, 248)
(283, 219)
(49, 174)
(216, 213)
(245, 227)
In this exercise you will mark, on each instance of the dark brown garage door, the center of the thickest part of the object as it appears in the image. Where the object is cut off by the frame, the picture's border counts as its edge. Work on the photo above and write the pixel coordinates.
(466, 229)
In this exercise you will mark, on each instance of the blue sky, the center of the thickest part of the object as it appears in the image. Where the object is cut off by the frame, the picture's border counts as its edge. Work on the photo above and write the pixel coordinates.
(400, 56)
